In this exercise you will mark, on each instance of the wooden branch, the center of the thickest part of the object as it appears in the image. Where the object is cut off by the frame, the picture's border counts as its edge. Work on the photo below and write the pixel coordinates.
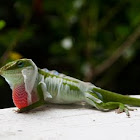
(111, 14)
(118, 53)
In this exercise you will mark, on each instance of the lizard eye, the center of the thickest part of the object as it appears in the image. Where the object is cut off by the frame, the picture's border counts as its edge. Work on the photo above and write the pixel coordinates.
(20, 64)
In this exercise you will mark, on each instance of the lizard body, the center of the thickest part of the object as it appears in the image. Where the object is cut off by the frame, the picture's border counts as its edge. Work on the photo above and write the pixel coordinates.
(33, 87)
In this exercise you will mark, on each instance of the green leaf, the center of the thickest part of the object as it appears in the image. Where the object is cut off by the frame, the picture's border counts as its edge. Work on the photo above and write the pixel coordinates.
(2, 24)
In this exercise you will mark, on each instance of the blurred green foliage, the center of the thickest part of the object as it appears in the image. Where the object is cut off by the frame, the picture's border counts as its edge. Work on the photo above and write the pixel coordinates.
(2, 24)
(93, 40)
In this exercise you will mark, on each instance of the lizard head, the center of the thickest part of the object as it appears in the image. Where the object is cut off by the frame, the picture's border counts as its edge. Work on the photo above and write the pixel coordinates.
(14, 72)
(21, 75)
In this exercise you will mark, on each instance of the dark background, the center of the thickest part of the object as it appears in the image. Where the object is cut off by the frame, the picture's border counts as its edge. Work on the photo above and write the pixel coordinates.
(92, 40)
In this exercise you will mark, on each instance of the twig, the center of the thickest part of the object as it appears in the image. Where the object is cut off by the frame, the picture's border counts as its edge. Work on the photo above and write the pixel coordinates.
(110, 14)
(118, 53)
(95, 26)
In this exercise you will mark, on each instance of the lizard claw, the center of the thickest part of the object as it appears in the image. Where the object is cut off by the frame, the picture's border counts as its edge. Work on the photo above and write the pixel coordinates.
(16, 110)
(125, 109)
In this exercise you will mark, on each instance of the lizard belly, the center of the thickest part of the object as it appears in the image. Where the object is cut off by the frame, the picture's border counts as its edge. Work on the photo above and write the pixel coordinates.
(65, 98)
(62, 91)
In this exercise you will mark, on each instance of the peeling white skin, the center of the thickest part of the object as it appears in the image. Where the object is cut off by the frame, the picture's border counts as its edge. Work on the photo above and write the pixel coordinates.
(59, 89)
(17, 78)
(30, 75)
(89, 99)
(10, 83)
(44, 88)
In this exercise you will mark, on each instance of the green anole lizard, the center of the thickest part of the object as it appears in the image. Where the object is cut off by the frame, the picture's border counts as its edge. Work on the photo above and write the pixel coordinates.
(33, 87)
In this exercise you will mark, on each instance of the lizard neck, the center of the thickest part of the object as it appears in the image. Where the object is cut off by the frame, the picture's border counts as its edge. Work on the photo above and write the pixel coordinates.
(20, 96)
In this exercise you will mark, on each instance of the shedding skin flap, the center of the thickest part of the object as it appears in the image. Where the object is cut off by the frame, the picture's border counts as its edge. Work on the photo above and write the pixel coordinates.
(30, 76)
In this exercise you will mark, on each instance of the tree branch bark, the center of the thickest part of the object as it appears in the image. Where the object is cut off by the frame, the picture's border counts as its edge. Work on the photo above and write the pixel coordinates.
(118, 53)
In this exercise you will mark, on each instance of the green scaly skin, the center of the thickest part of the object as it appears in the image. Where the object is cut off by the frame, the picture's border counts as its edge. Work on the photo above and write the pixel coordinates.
(53, 87)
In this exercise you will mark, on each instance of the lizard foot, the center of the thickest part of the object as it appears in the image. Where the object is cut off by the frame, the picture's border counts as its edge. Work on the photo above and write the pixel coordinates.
(123, 108)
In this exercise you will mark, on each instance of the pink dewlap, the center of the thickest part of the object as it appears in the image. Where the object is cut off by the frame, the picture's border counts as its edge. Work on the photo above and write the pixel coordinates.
(20, 96)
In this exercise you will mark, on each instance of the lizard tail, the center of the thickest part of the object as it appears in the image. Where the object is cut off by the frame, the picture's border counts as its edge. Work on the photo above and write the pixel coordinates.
(108, 96)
